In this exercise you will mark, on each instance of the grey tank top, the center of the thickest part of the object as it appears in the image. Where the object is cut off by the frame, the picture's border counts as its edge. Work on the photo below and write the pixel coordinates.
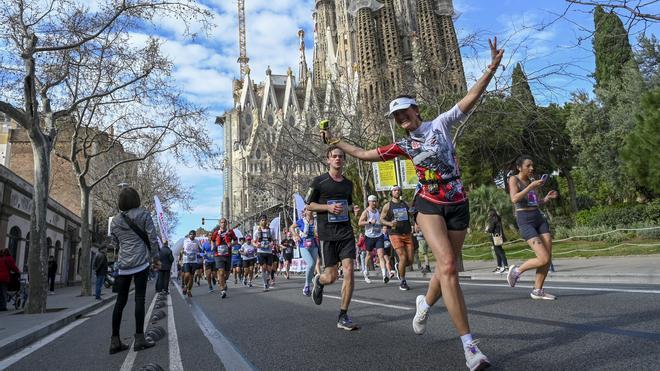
(530, 200)
(373, 230)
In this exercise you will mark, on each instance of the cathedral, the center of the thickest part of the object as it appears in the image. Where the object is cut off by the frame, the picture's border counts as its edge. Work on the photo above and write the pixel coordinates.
(365, 53)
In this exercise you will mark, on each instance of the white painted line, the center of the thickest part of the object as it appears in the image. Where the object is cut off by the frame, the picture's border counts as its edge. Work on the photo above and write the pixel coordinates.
(173, 339)
(227, 353)
(605, 289)
(130, 357)
(371, 303)
(5, 363)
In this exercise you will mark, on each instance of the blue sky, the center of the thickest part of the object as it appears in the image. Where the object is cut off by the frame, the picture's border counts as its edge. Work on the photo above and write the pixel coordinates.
(555, 51)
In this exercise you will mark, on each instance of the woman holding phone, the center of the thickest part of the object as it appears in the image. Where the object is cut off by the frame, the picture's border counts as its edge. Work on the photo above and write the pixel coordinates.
(533, 226)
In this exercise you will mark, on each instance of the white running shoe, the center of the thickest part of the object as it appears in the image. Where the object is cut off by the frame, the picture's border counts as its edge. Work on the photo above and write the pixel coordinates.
(513, 276)
(474, 359)
(421, 316)
(540, 294)
(366, 277)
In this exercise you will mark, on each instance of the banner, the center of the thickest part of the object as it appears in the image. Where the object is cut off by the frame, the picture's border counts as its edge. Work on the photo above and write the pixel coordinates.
(385, 175)
(300, 204)
(160, 217)
(238, 233)
(298, 265)
(408, 174)
(275, 229)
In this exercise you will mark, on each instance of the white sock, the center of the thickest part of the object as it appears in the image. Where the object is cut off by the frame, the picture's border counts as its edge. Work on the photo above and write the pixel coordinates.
(384, 272)
(467, 338)
(424, 306)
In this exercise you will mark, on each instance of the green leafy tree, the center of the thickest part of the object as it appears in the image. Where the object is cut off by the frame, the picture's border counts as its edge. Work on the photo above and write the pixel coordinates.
(484, 198)
(640, 152)
(611, 47)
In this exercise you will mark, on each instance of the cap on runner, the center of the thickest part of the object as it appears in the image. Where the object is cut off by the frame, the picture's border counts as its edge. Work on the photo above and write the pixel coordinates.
(400, 103)
(372, 198)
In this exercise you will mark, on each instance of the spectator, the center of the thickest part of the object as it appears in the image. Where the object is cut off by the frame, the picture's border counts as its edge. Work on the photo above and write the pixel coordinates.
(166, 260)
(100, 267)
(52, 271)
(134, 233)
(494, 227)
(7, 265)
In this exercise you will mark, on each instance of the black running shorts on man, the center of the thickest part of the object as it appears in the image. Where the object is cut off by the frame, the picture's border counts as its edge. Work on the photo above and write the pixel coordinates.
(333, 252)
(374, 243)
(223, 263)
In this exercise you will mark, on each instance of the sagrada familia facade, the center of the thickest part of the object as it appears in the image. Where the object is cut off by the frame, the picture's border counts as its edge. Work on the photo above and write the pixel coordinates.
(366, 52)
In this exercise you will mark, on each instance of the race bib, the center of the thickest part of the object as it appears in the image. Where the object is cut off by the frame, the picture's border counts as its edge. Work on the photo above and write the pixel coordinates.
(532, 199)
(400, 215)
(222, 250)
(343, 216)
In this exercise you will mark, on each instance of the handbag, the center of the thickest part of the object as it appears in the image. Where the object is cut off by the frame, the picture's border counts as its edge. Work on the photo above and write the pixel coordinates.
(497, 239)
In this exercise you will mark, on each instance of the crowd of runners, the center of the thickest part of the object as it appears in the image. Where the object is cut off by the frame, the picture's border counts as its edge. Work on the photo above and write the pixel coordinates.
(392, 236)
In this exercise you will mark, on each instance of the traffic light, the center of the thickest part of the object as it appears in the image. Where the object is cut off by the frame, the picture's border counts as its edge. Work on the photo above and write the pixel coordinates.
(202, 221)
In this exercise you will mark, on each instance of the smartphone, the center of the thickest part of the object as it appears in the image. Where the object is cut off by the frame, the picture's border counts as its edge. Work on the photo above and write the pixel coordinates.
(544, 177)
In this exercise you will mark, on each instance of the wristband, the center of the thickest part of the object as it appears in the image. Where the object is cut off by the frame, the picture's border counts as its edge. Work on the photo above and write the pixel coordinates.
(489, 70)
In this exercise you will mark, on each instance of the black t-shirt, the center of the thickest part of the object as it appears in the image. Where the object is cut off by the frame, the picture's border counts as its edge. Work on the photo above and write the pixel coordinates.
(399, 211)
(324, 190)
(288, 245)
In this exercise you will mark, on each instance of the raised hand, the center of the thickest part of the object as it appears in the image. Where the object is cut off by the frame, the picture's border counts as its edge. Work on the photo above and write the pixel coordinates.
(495, 54)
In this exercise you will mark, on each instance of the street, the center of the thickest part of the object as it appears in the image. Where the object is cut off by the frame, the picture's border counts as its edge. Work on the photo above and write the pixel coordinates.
(590, 326)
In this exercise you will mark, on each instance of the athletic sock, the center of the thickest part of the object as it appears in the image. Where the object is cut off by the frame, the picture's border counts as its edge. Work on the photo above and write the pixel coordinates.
(265, 278)
(424, 306)
(467, 338)
(384, 272)
(272, 275)
(342, 312)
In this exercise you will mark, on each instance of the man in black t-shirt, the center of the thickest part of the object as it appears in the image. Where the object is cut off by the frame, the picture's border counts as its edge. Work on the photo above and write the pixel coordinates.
(287, 245)
(331, 197)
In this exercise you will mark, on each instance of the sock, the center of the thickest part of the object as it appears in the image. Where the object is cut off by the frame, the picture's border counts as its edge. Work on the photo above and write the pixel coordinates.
(342, 312)
(265, 278)
(467, 338)
(384, 272)
(424, 306)
(272, 275)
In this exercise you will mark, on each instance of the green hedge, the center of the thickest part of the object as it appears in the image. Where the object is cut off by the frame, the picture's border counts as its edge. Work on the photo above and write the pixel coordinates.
(620, 215)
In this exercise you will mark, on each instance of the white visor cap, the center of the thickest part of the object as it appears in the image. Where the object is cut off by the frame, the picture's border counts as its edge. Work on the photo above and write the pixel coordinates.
(401, 103)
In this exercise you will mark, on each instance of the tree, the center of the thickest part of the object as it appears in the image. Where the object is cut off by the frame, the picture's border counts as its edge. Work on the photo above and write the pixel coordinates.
(611, 47)
(635, 8)
(43, 44)
(641, 152)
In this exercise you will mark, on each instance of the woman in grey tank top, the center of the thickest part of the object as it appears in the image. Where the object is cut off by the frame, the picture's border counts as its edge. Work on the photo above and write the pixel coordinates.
(524, 190)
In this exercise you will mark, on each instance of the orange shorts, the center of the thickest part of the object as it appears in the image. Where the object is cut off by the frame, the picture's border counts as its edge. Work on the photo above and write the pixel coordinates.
(402, 241)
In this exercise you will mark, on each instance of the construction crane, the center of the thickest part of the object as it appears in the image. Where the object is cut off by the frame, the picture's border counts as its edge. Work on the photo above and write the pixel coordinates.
(242, 58)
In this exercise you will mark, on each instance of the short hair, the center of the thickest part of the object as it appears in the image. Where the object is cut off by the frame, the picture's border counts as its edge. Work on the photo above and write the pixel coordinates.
(128, 199)
(192, 231)
(332, 148)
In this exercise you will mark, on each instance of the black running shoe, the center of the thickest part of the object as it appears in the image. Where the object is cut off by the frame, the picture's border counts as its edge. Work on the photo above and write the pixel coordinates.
(317, 291)
(345, 323)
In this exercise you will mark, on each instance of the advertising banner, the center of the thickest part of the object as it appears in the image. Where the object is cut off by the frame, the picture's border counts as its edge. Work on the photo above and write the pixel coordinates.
(385, 175)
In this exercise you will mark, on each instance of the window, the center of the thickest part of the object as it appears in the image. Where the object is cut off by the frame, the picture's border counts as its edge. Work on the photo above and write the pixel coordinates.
(257, 154)
(271, 120)
(292, 121)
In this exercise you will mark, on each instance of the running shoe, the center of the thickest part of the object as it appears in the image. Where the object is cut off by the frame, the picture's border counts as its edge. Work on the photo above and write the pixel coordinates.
(190, 293)
(386, 279)
(396, 269)
(307, 291)
(210, 289)
(345, 323)
(540, 294)
(474, 359)
(245, 282)
(317, 291)
(223, 294)
(183, 290)
(366, 277)
(496, 270)
(265, 288)
(513, 276)
(404, 286)
(250, 284)
(392, 274)
(421, 316)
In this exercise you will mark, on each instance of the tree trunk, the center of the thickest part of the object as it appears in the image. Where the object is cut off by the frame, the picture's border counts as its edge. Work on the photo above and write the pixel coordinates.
(85, 242)
(38, 255)
(572, 193)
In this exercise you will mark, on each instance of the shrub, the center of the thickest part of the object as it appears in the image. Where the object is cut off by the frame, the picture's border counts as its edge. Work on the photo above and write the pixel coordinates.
(620, 215)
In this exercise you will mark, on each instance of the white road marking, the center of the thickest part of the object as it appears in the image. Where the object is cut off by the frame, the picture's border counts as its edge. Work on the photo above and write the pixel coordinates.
(606, 289)
(230, 357)
(130, 357)
(371, 303)
(5, 363)
(173, 339)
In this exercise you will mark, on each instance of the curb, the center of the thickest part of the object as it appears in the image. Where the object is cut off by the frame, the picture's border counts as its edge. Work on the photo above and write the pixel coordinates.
(621, 278)
(26, 337)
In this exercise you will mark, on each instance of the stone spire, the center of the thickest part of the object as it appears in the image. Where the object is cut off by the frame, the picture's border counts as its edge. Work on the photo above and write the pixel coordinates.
(392, 76)
(302, 64)
(369, 56)
(455, 75)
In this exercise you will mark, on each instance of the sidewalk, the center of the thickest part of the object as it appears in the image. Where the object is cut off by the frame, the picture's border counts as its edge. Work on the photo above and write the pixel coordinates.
(643, 269)
(17, 330)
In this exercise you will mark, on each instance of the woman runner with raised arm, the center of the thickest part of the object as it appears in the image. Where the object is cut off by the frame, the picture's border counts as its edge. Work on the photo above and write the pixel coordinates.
(442, 206)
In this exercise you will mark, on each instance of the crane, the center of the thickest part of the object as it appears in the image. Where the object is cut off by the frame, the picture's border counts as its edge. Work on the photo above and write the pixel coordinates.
(242, 58)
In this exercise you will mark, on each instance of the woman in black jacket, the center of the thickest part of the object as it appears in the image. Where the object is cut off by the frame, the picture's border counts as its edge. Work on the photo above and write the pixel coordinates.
(497, 238)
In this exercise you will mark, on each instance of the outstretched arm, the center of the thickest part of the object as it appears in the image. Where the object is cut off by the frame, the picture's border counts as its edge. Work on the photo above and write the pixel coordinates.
(468, 102)
(355, 151)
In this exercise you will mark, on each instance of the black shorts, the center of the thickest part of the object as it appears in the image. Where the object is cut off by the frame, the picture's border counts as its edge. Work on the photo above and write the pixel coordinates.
(209, 265)
(457, 217)
(248, 263)
(288, 257)
(333, 252)
(189, 267)
(531, 223)
(223, 263)
(374, 243)
(265, 258)
(236, 263)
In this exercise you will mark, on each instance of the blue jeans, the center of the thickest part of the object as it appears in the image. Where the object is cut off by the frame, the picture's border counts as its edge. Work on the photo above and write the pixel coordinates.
(310, 255)
(100, 278)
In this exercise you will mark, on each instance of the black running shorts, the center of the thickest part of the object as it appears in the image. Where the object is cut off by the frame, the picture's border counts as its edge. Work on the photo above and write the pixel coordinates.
(332, 252)
(457, 217)
(223, 263)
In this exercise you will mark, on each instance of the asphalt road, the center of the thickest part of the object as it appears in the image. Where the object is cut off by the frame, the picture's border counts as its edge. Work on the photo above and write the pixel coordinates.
(604, 327)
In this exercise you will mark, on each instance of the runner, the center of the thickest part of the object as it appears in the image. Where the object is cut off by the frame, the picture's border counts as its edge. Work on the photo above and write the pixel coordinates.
(287, 246)
(387, 252)
(361, 255)
(237, 261)
(396, 215)
(532, 225)
(441, 203)
(373, 237)
(249, 256)
(331, 197)
(222, 238)
(304, 232)
(264, 243)
(191, 251)
(209, 261)
(276, 262)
